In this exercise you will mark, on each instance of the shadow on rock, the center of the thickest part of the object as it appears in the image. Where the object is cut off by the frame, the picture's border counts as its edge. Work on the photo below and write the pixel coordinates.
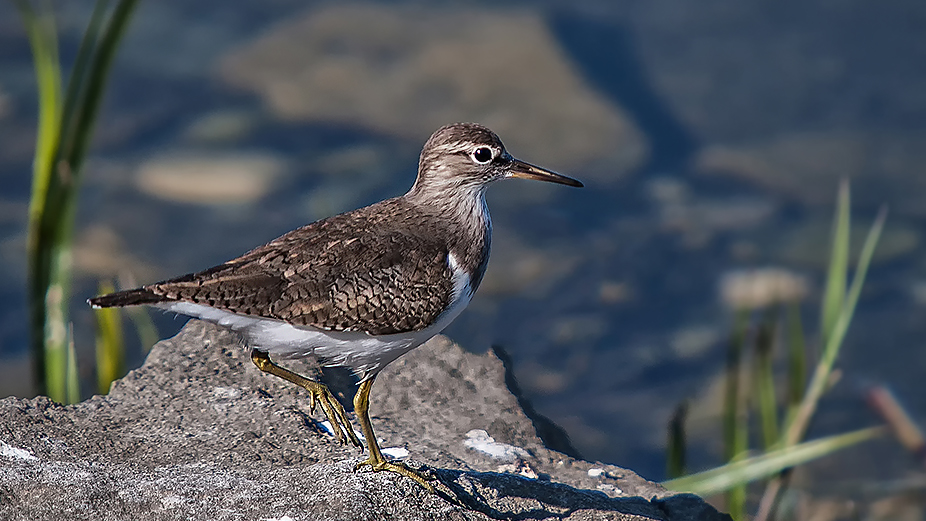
(512, 497)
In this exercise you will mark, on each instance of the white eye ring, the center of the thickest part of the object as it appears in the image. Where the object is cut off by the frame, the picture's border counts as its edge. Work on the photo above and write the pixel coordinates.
(482, 155)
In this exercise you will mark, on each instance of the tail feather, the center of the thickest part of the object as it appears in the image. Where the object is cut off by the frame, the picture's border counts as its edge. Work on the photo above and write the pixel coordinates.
(129, 297)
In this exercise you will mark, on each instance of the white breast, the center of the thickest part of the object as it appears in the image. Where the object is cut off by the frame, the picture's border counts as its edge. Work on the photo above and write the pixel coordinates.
(365, 354)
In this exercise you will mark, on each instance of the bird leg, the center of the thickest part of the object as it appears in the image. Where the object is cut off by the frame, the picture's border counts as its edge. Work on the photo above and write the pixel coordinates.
(376, 461)
(319, 393)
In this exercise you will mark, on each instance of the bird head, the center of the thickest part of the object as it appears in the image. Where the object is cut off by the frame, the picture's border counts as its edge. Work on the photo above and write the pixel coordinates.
(468, 156)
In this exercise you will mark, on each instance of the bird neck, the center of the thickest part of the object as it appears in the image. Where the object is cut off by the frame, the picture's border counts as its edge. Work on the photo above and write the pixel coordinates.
(464, 220)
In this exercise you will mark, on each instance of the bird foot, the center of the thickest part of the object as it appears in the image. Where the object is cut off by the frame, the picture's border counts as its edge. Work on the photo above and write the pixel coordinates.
(378, 465)
(337, 416)
(319, 393)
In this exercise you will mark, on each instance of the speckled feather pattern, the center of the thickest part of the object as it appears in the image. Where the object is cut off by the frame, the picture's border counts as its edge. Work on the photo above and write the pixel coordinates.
(334, 275)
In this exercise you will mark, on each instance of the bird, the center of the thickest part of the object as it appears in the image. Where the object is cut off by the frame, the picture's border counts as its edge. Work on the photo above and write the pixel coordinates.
(361, 288)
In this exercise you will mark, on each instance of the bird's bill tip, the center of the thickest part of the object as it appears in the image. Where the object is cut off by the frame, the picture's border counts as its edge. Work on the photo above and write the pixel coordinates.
(528, 171)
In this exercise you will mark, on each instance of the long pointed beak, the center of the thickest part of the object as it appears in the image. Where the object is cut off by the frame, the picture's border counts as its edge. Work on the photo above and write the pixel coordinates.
(524, 170)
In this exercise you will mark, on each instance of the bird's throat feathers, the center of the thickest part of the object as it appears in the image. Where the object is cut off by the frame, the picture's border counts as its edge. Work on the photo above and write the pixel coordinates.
(462, 210)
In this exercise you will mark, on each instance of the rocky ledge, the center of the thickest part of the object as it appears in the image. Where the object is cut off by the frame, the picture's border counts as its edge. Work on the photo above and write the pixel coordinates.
(199, 433)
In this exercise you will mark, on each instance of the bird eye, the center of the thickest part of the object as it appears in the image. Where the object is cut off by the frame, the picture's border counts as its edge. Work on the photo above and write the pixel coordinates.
(482, 155)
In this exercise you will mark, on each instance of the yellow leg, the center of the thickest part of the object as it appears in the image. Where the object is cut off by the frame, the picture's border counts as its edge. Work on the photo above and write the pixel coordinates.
(319, 392)
(376, 461)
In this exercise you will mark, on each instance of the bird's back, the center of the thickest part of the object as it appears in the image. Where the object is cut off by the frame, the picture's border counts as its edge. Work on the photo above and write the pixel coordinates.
(334, 274)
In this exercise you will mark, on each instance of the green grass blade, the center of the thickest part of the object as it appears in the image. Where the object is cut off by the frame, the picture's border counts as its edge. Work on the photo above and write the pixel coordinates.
(735, 474)
(797, 358)
(55, 231)
(736, 411)
(766, 400)
(732, 399)
(85, 92)
(44, 43)
(63, 137)
(832, 335)
(736, 500)
(78, 79)
(825, 366)
(72, 392)
(92, 94)
(110, 344)
(835, 292)
(55, 330)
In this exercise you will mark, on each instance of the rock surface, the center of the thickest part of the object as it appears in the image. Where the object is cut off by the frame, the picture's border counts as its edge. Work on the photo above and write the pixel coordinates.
(198, 432)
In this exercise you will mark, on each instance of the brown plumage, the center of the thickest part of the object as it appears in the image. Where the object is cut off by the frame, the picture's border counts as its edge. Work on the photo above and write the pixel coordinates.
(331, 274)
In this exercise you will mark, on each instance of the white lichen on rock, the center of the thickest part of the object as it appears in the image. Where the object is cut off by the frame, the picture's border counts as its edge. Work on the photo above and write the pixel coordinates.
(480, 441)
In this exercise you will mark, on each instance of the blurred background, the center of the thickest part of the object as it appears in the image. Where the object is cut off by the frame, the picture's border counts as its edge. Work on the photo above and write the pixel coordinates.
(711, 137)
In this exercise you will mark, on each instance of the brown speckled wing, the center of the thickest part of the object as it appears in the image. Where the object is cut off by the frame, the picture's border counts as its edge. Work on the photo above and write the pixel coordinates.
(331, 274)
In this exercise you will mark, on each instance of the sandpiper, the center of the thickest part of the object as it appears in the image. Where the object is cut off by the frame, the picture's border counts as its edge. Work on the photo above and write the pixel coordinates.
(362, 288)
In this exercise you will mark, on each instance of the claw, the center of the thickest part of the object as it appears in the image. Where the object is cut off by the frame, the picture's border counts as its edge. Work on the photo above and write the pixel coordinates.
(398, 468)
(336, 414)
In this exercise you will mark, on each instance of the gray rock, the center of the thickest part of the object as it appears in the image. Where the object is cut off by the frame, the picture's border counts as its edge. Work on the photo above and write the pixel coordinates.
(198, 432)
